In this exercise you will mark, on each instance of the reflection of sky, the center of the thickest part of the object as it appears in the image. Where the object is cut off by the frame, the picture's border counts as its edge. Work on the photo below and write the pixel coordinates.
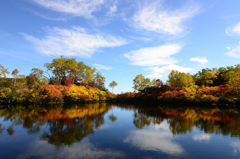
(162, 126)
(155, 140)
(202, 137)
(85, 149)
(236, 148)
(122, 139)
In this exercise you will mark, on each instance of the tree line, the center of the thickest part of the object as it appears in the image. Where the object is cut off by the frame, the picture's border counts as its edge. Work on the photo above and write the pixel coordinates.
(61, 71)
(229, 76)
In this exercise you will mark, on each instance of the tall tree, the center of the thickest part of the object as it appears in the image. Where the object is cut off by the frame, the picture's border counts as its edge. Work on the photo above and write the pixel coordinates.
(234, 81)
(62, 67)
(15, 75)
(179, 79)
(39, 77)
(112, 85)
(57, 67)
(140, 82)
(3, 71)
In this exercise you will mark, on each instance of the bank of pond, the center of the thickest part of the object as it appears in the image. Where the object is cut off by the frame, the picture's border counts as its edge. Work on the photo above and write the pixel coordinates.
(204, 95)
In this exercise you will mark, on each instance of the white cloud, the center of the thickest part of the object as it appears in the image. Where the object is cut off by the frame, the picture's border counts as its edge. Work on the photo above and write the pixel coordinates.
(101, 67)
(154, 141)
(50, 17)
(154, 56)
(74, 7)
(164, 126)
(158, 72)
(234, 51)
(84, 149)
(233, 30)
(154, 17)
(202, 137)
(113, 9)
(236, 148)
(201, 60)
(73, 42)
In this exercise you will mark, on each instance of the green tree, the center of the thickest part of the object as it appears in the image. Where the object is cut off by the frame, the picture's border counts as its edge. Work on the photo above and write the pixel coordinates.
(39, 76)
(3, 71)
(15, 75)
(206, 76)
(154, 82)
(99, 76)
(140, 82)
(234, 81)
(62, 67)
(179, 79)
(112, 85)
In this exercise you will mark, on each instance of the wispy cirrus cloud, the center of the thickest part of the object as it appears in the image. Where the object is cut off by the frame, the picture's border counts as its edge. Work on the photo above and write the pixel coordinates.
(154, 56)
(158, 72)
(155, 17)
(83, 8)
(201, 60)
(102, 67)
(113, 9)
(53, 18)
(73, 42)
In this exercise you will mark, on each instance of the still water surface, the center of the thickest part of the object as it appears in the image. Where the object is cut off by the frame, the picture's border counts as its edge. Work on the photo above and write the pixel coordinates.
(119, 131)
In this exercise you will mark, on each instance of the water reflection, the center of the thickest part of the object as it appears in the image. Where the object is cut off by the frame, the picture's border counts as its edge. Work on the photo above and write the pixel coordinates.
(182, 120)
(84, 149)
(154, 141)
(103, 130)
(77, 122)
(65, 125)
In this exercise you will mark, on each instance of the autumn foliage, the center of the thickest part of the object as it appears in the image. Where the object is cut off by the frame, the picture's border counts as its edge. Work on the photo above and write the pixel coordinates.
(54, 93)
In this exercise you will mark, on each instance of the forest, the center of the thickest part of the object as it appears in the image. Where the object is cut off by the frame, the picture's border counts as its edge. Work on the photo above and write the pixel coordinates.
(67, 80)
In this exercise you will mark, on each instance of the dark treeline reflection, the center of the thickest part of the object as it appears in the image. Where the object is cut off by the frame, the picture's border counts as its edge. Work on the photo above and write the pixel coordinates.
(63, 125)
(225, 121)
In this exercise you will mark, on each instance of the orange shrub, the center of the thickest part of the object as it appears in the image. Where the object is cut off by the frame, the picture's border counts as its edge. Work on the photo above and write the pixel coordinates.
(50, 93)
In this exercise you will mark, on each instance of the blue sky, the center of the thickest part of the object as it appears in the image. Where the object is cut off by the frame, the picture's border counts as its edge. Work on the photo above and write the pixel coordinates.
(121, 38)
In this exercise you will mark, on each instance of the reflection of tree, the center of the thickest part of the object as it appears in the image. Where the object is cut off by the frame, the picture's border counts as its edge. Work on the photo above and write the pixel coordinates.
(64, 125)
(140, 120)
(62, 134)
(180, 125)
(184, 119)
(10, 130)
(1, 128)
(112, 117)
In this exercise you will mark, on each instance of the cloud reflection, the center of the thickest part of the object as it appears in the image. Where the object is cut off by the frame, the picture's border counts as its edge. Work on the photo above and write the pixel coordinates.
(236, 148)
(202, 137)
(85, 149)
(154, 141)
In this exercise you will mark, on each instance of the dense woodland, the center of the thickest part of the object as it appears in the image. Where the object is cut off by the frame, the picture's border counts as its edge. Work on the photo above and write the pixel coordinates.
(67, 80)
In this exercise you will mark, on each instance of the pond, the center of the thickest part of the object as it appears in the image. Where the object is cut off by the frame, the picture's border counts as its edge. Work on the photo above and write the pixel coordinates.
(103, 130)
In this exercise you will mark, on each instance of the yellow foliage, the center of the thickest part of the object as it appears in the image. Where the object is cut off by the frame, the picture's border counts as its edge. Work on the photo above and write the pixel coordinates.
(5, 92)
(82, 93)
(190, 92)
